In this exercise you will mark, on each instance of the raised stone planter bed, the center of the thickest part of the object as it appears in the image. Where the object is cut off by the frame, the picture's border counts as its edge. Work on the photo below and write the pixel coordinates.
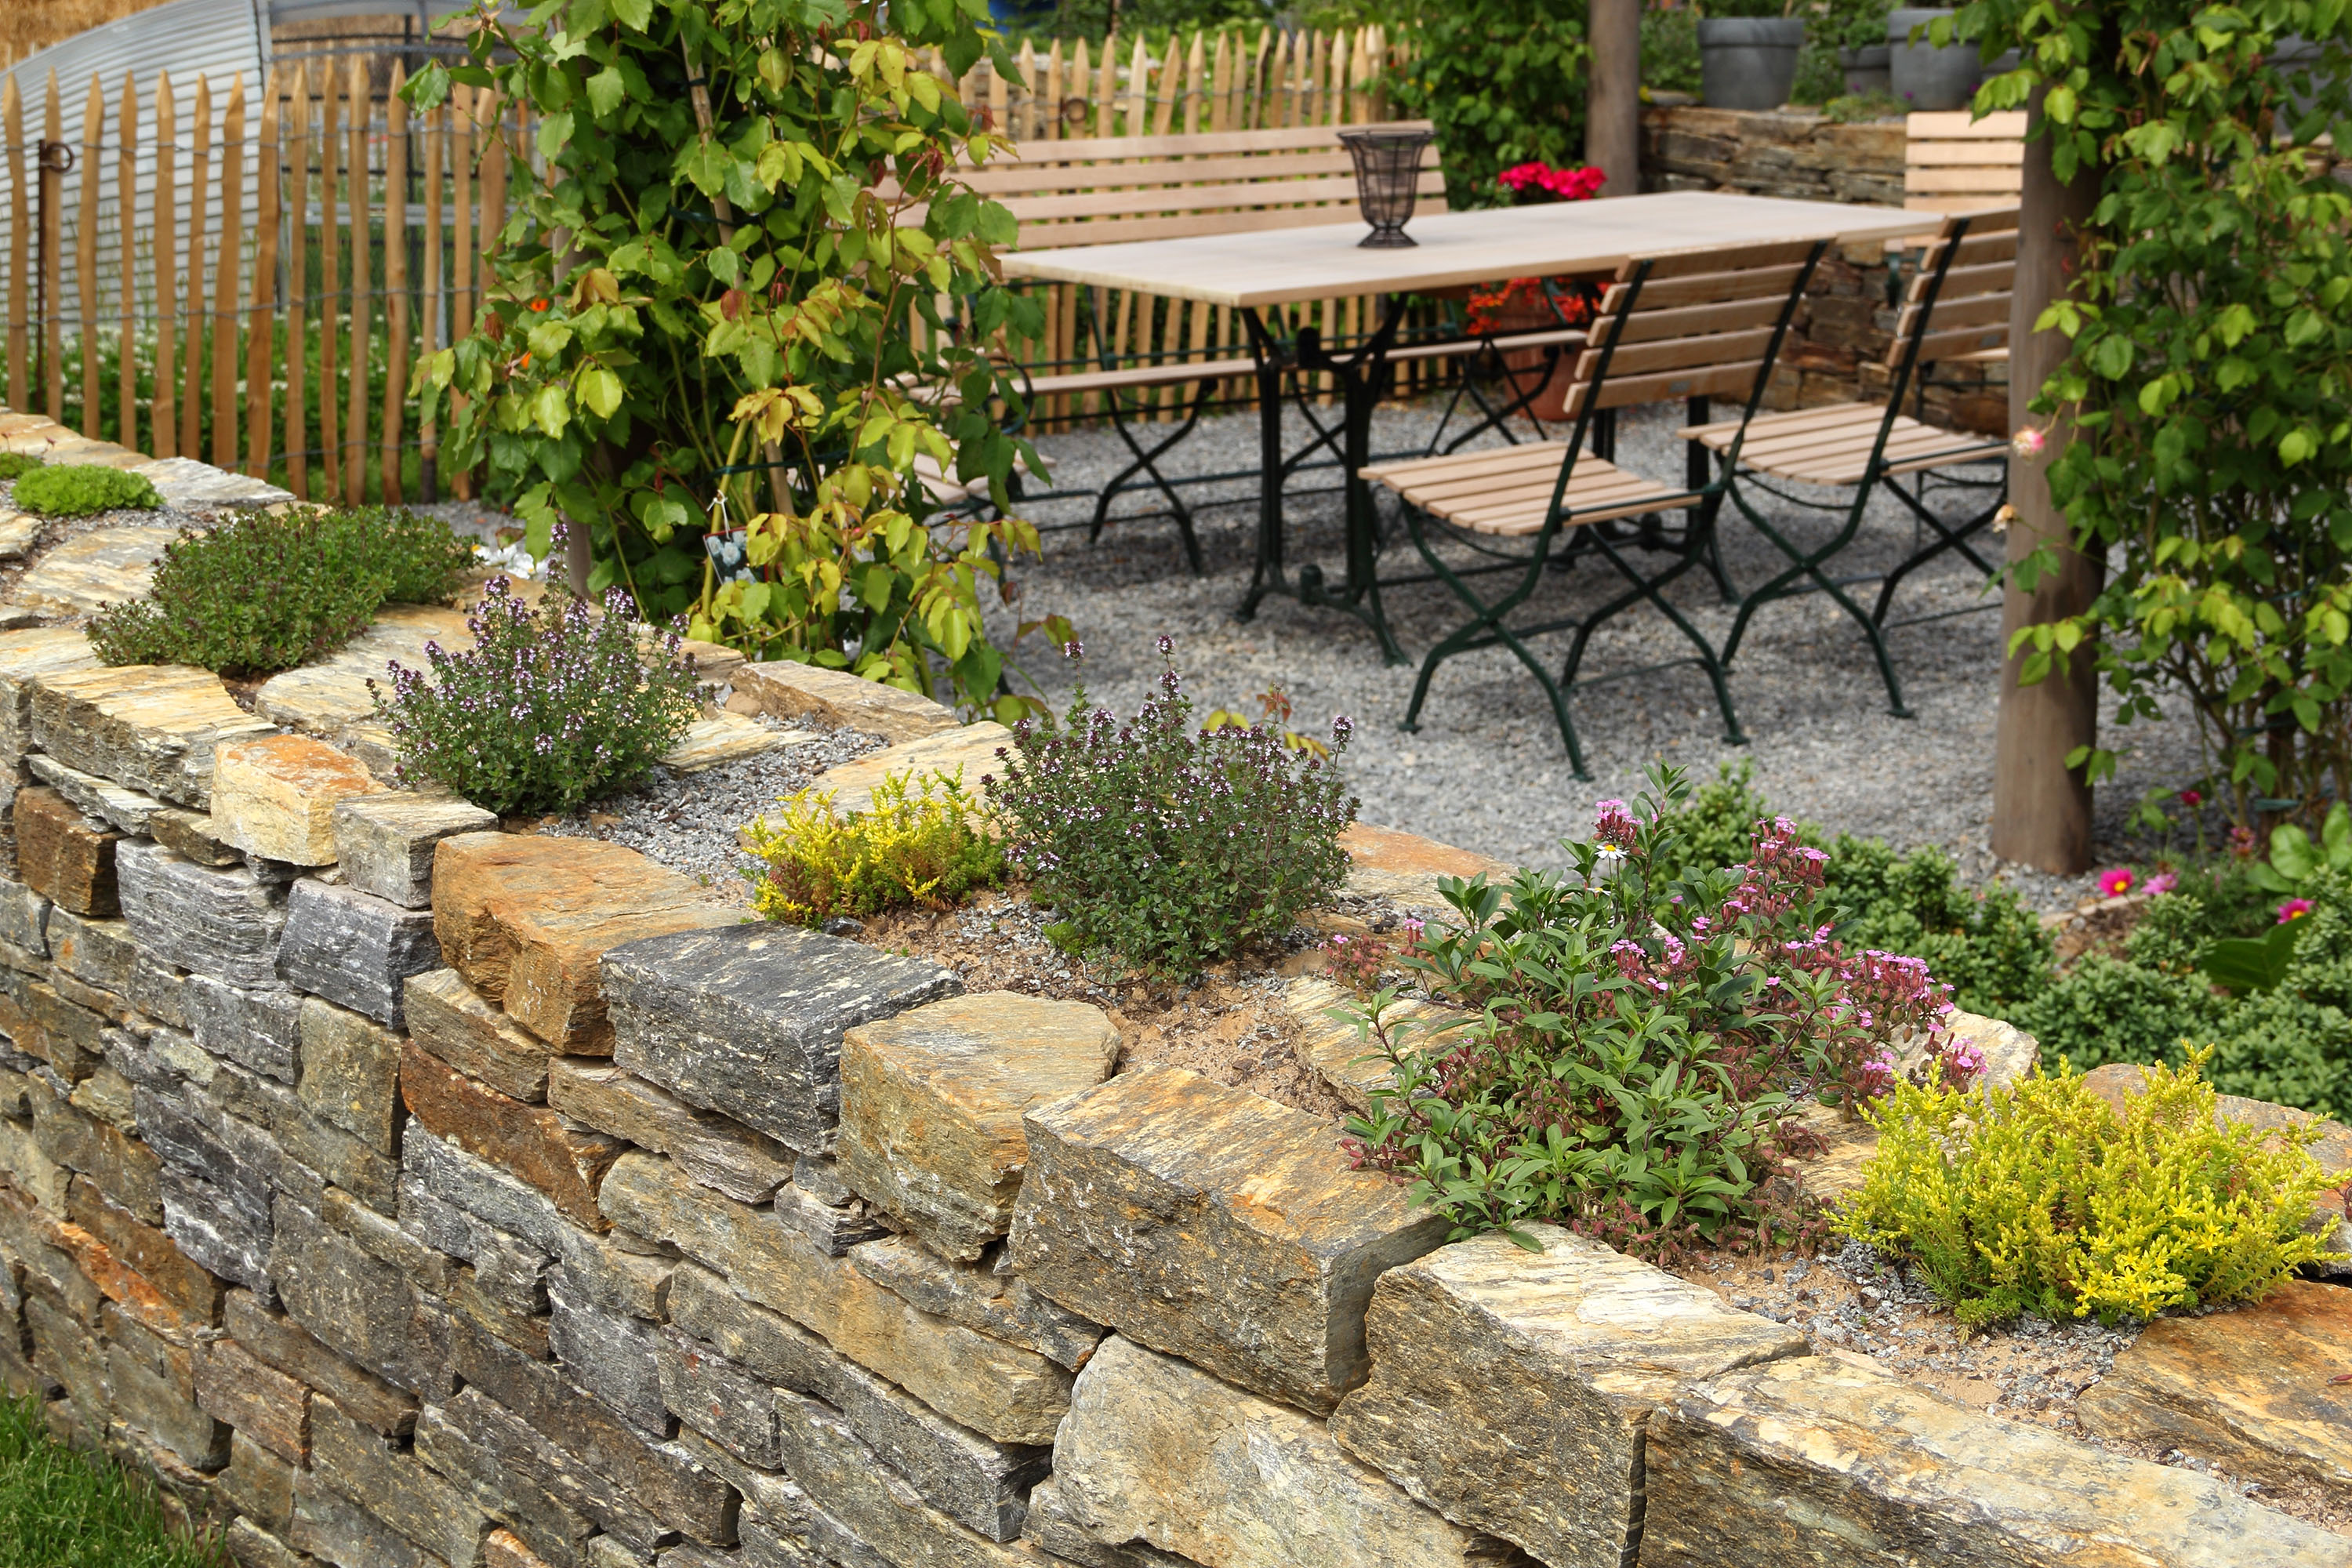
(395, 1189)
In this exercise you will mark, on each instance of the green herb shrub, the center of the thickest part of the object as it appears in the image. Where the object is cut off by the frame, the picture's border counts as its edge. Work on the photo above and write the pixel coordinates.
(1670, 49)
(1630, 1049)
(17, 464)
(1166, 843)
(1503, 80)
(548, 709)
(2288, 1041)
(81, 489)
(2210, 324)
(923, 844)
(1988, 946)
(63, 1509)
(262, 592)
(2038, 1197)
(740, 311)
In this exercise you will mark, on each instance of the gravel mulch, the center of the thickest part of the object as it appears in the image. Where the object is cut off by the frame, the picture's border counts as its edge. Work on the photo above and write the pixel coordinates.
(689, 821)
(1487, 771)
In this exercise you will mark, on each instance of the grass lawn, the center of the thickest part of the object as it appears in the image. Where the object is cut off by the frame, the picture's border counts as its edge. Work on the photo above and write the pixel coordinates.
(59, 1508)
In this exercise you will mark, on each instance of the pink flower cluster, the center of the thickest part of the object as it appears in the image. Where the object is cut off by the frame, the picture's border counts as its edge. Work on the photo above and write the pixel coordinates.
(1614, 824)
(1560, 184)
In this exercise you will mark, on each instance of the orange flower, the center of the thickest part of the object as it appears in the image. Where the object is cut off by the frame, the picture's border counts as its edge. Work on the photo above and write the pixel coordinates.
(526, 360)
(539, 304)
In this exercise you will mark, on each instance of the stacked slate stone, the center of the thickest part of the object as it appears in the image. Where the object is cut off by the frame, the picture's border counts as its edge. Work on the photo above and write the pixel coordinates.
(396, 1191)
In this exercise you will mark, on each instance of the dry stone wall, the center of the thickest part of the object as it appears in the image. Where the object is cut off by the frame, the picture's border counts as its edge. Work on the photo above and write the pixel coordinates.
(401, 1194)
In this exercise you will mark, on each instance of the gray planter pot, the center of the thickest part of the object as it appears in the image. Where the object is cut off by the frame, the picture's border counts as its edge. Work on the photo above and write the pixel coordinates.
(1866, 69)
(1925, 77)
(1749, 62)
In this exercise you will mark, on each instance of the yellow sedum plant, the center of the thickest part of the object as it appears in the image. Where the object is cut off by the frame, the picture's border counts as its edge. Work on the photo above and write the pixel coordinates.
(2038, 1197)
(923, 843)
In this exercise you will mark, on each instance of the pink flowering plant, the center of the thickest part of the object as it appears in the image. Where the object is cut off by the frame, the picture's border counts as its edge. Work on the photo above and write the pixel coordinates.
(1166, 844)
(1630, 1053)
(550, 707)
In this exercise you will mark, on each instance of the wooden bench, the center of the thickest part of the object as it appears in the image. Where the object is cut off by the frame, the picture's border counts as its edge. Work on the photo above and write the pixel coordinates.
(1953, 163)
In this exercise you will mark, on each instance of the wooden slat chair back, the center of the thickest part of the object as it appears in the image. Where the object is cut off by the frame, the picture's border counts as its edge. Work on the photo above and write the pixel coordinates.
(1102, 190)
(1957, 309)
(1954, 163)
(1677, 326)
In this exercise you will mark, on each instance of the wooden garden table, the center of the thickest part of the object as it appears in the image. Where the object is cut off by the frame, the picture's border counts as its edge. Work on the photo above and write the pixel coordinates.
(1250, 271)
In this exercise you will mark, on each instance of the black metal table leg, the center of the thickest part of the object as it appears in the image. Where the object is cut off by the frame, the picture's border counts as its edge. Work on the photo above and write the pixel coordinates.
(1266, 576)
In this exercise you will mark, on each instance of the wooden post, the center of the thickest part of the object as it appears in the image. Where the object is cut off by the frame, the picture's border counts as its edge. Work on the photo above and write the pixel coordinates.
(53, 336)
(192, 383)
(224, 276)
(2042, 807)
(355, 410)
(428, 433)
(126, 229)
(330, 448)
(260, 318)
(1612, 113)
(395, 279)
(298, 291)
(163, 417)
(93, 130)
(12, 127)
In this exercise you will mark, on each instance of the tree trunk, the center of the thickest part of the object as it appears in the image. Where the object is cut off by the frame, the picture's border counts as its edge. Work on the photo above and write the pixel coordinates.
(2042, 807)
(1613, 125)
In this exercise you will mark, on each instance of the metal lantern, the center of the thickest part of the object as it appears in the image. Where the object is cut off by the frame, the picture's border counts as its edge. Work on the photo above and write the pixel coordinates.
(1387, 170)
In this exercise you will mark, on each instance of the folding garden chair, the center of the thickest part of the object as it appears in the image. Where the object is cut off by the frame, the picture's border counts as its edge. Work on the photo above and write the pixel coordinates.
(1956, 308)
(1690, 324)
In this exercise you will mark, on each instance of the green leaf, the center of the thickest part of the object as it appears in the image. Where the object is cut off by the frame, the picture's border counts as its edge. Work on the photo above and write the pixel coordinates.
(2248, 965)
(551, 409)
(600, 390)
(633, 15)
(607, 90)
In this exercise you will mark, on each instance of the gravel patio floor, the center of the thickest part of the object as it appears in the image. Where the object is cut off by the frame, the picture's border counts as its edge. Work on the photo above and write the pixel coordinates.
(1486, 768)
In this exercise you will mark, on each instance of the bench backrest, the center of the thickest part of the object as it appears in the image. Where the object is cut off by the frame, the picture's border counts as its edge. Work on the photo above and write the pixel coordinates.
(1099, 190)
(1955, 163)
(1693, 324)
(1960, 308)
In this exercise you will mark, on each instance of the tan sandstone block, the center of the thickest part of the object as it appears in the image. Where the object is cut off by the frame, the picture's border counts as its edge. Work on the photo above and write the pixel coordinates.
(1404, 869)
(1510, 1389)
(529, 1142)
(932, 1103)
(2253, 1389)
(65, 856)
(153, 727)
(275, 797)
(525, 919)
(1821, 1462)
(835, 696)
(962, 754)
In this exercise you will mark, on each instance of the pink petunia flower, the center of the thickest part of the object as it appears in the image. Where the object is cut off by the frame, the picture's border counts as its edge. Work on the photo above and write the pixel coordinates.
(2162, 882)
(2114, 884)
(2293, 909)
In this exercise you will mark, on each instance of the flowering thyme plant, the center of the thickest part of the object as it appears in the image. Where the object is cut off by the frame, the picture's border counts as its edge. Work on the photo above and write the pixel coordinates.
(1168, 843)
(547, 709)
(1630, 1052)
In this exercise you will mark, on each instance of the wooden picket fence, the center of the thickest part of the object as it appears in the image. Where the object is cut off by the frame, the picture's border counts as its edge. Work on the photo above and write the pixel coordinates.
(248, 272)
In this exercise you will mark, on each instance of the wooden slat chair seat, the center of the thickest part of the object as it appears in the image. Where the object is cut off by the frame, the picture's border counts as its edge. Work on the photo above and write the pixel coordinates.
(1955, 307)
(1954, 163)
(1690, 325)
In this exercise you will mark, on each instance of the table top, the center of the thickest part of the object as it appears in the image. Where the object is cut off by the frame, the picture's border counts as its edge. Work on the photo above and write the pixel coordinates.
(1280, 267)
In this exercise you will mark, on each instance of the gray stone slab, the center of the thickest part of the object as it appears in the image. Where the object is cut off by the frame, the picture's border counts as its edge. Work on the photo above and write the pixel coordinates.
(258, 1029)
(747, 1020)
(609, 1355)
(396, 1488)
(354, 949)
(555, 1534)
(715, 1150)
(457, 1024)
(24, 918)
(99, 953)
(190, 485)
(981, 1483)
(128, 809)
(224, 923)
(357, 1303)
(385, 842)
